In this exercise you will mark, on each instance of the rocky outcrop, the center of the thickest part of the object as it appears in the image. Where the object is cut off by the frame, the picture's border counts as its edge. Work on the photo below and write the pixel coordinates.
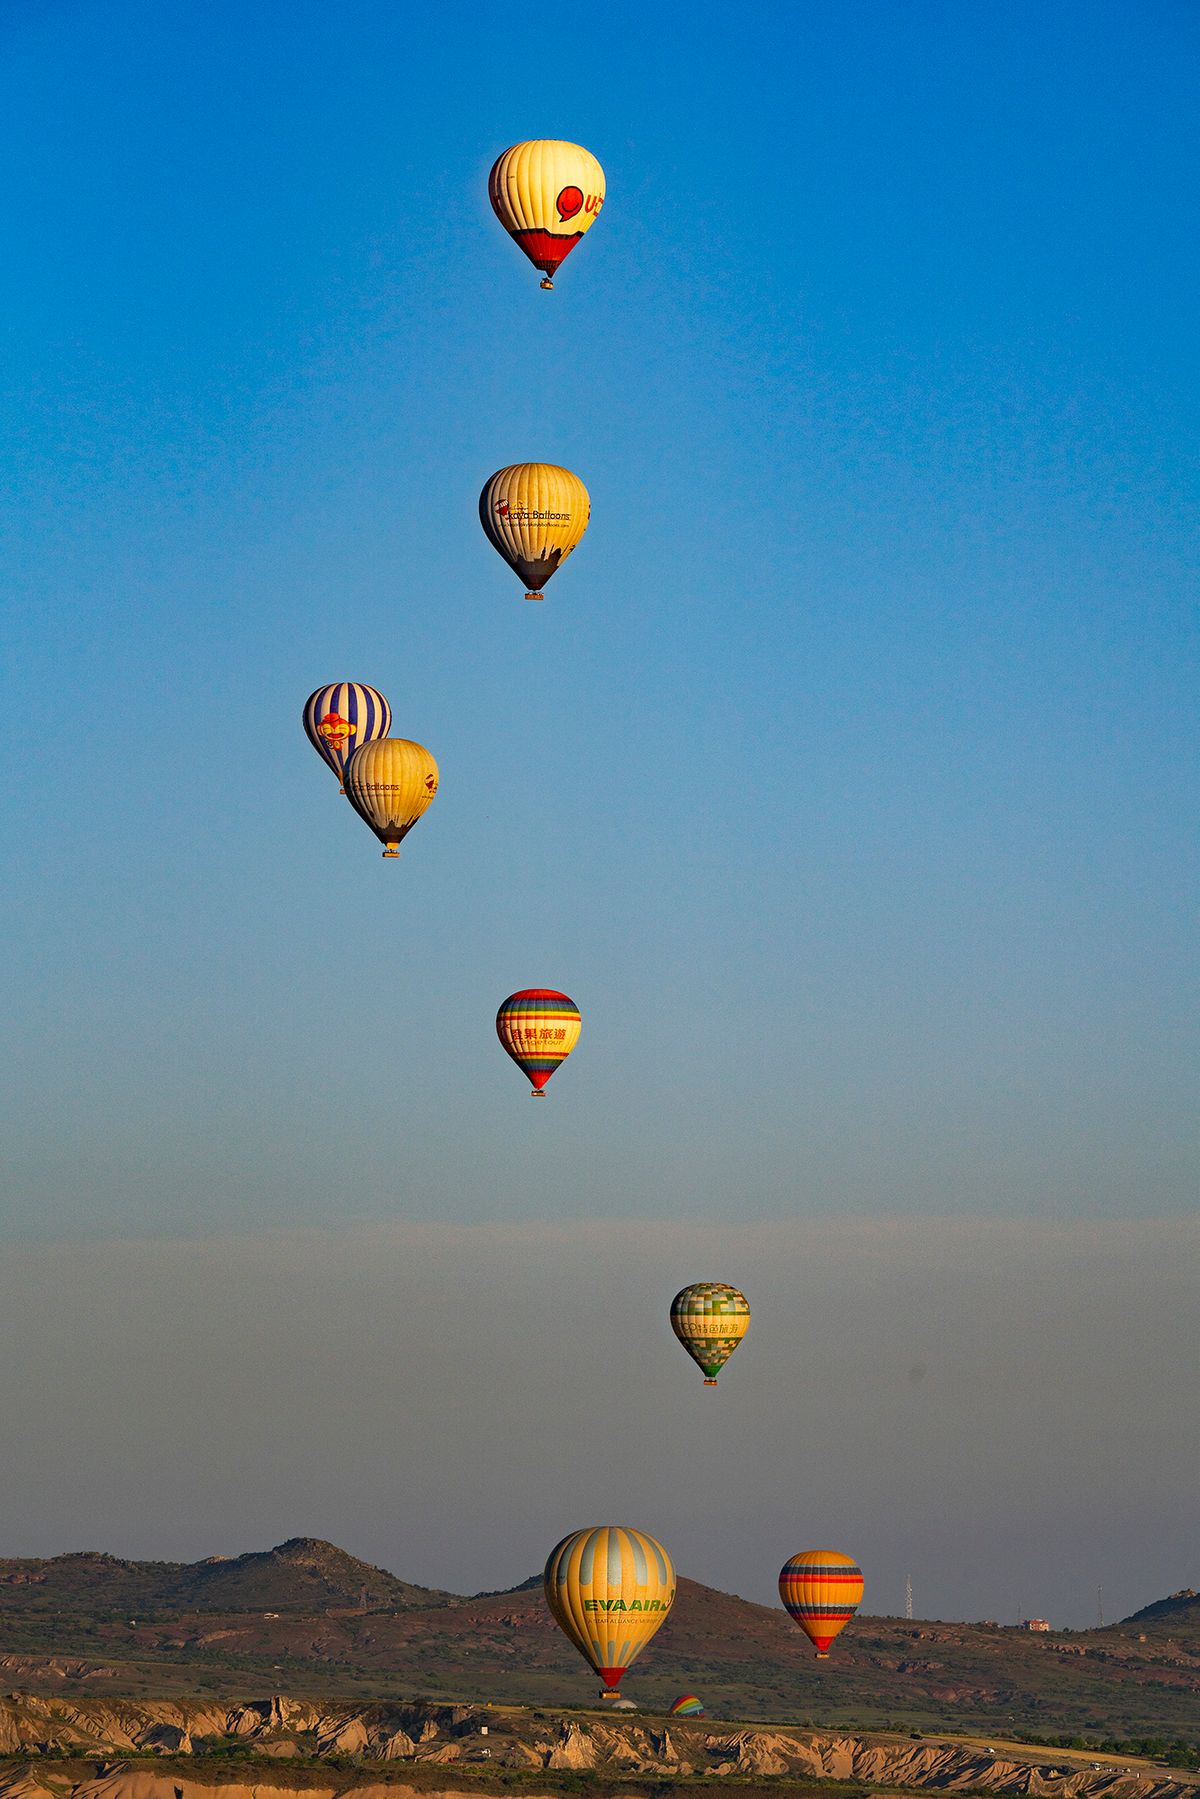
(756, 1752)
(574, 1749)
(39, 1733)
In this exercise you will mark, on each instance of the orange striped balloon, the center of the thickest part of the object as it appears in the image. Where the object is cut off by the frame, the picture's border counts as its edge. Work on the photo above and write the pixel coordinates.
(821, 1589)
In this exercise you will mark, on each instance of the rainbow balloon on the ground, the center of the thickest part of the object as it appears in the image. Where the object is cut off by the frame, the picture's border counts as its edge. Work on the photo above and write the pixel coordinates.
(687, 1706)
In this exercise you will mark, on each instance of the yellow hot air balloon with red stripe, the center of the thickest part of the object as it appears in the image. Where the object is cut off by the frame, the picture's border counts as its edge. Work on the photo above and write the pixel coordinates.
(539, 1027)
(821, 1589)
(547, 194)
(608, 1589)
(534, 514)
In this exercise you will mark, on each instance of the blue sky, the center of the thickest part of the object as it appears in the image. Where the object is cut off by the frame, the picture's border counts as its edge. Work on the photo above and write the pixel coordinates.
(845, 778)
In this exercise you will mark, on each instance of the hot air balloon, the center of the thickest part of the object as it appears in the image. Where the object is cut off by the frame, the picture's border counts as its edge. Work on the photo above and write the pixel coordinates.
(340, 717)
(390, 783)
(539, 1028)
(687, 1706)
(534, 513)
(546, 194)
(710, 1320)
(609, 1589)
(821, 1588)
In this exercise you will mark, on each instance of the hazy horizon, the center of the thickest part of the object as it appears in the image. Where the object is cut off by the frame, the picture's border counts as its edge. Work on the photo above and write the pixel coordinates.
(977, 1403)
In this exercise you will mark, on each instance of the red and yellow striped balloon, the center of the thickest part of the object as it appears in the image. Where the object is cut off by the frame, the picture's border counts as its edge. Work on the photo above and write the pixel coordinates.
(821, 1589)
(539, 1028)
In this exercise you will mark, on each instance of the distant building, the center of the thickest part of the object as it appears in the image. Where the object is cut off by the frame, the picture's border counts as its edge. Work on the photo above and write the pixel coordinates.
(1033, 1624)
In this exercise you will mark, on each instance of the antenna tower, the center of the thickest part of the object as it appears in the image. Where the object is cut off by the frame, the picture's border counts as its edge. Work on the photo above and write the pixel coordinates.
(1099, 1608)
(908, 1595)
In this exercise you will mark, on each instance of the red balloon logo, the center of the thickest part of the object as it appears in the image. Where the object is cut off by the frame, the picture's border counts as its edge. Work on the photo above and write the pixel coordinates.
(569, 201)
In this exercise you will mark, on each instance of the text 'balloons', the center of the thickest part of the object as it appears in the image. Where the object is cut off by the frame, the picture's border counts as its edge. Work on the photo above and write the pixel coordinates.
(390, 783)
(534, 514)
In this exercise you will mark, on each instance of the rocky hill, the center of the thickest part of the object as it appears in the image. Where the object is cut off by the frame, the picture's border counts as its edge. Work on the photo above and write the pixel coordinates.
(302, 1575)
(1141, 1678)
(1178, 1615)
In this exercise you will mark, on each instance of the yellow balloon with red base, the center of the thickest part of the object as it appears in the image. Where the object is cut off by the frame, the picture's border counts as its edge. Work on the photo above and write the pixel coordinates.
(608, 1589)
(547, 194)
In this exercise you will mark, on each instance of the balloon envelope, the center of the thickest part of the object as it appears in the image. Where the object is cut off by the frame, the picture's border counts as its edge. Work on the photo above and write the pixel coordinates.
(687, 1706)
(546, 193)
(821, 1589)
(710, 1319)
(390, 783)
(539, 1028)
(609, 1588)
(534, 513)
(337, 719)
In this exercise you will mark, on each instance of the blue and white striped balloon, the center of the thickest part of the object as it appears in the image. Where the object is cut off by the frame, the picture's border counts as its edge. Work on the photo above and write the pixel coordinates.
(340, 717)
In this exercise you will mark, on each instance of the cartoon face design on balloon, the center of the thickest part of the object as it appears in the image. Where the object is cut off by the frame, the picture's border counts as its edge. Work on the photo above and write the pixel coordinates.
(342, 716)
(569, 201)
(335, 729)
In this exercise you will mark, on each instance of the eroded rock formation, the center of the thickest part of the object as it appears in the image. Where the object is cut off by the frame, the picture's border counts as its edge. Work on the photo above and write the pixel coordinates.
(41, 1736)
